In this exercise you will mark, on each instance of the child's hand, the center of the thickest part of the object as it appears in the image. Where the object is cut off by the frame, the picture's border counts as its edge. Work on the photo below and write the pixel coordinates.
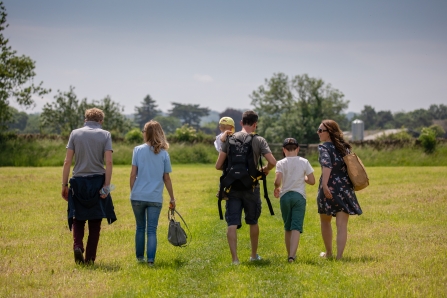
(276, 192)
(223, 137)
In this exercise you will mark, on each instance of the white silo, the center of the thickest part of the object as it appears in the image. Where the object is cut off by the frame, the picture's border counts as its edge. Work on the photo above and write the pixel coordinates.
(357, 130)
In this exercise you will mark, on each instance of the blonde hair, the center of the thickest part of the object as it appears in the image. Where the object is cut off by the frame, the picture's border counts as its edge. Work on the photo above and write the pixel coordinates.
(94, 114)
(336, 136)
(155, 136)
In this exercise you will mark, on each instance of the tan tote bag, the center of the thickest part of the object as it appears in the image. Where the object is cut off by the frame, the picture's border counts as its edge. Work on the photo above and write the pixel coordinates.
(356, 171)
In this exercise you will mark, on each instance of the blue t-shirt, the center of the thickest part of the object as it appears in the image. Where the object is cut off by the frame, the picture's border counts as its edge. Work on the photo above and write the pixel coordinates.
(149, 183)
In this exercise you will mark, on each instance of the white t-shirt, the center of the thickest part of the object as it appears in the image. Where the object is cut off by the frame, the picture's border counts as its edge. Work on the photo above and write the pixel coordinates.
(218, 142)
(293, 170)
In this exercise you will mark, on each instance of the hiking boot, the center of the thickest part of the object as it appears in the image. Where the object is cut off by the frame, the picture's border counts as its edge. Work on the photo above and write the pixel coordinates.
(79, 256)
(257, 258)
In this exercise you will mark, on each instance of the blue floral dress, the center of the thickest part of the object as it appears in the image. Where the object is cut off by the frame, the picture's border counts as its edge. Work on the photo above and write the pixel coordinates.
(343, 195)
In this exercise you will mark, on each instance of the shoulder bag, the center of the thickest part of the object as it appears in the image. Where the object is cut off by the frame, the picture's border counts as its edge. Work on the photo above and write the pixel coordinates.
(356, 171)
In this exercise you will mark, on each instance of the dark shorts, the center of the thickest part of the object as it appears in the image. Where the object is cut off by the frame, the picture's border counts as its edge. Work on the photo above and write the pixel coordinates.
(293, 208)
(249, 201)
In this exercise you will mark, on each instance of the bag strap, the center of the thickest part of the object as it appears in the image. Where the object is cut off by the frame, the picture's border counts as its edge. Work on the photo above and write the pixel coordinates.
(264, 183)
(171, 216)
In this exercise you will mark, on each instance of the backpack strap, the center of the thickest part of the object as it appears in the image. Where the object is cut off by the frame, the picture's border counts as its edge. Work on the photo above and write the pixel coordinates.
(266, 194)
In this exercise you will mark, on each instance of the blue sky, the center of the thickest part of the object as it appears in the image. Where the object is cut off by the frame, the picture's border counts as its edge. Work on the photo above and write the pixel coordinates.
(391, 54)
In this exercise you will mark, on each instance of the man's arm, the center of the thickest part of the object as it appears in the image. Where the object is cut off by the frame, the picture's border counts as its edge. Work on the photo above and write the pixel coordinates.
(109, 166)
(66, 172)
(220, 160)
(271, 163)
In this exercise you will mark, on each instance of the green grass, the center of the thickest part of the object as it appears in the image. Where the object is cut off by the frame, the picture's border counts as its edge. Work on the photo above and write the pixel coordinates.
(397, 248)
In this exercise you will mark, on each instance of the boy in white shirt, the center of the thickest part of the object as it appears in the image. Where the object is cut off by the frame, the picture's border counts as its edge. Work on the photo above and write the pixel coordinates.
(292, 172)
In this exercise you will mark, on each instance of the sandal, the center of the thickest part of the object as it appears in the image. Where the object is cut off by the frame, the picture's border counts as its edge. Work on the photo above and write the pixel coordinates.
(324, 255)
(291, 259)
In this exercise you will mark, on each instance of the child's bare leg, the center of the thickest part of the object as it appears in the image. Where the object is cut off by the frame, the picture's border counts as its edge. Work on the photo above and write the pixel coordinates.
(287, 235)
(294, 241)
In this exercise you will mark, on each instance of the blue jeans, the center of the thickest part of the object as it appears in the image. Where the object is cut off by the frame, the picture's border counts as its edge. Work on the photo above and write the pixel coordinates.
(146, 217)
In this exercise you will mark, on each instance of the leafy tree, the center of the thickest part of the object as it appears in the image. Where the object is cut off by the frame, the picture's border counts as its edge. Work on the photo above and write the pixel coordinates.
(420, 118)
(67, 113)
(168, 123)
(114, 119)
(369, 117)
(188, 113)
(33, 124)
(16, 76)
(64, 114)
(439, 131)
(438, 112)
(384, 119)
(295, 107)
(146, 112)
(18, 120)
(428, 139)
(134, 136)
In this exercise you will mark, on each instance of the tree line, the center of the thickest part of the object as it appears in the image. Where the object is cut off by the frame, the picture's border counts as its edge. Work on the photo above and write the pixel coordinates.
(286, 106)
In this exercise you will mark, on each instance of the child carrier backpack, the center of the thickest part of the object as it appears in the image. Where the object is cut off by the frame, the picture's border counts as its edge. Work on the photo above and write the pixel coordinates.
(240, 171)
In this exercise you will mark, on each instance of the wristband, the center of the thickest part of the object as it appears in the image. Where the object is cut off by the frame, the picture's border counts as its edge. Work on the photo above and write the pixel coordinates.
(64, 184)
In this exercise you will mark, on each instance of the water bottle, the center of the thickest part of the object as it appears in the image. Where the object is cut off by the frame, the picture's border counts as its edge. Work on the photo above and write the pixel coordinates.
(106, 190)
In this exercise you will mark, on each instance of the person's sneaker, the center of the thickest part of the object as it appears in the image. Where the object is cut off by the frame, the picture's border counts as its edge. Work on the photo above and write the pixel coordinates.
(150, 264)
(79, 256)
(235, 262)
(141, 260)
(257, 258)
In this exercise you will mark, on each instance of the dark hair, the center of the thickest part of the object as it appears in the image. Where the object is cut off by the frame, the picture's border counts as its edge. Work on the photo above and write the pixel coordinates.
(290, 147)
(336, 136)
(249, 118)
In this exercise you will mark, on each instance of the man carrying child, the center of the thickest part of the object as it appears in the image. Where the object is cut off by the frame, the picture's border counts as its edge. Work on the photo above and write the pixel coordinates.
(245, 199)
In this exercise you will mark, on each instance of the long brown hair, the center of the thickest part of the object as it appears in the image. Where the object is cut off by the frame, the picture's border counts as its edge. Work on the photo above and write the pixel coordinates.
(155, 136)
(336, 136)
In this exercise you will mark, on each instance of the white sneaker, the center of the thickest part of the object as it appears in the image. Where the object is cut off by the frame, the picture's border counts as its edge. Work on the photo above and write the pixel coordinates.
(235, 263)
(257, 258)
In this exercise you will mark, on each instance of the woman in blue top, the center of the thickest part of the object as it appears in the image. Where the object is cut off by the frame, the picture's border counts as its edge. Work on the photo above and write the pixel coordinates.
(150, 172)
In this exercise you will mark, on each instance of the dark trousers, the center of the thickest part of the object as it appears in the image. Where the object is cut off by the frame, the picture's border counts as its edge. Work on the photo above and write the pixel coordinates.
(94, 227)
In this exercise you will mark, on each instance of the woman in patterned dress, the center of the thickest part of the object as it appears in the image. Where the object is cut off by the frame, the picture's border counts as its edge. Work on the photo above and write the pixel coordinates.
(336, 196)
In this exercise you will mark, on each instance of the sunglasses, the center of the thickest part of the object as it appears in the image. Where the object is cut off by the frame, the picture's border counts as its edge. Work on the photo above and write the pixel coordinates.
(320, 130)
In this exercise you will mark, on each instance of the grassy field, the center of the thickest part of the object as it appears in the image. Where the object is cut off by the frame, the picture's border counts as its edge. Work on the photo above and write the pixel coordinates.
(397, 248)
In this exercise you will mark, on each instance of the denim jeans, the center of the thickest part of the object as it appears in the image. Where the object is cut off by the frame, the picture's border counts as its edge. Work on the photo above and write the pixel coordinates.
(146, 217)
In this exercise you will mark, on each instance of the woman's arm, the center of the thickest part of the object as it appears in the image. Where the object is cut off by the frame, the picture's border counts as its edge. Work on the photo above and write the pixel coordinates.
(133, 176)
(324, 181)
(168, 185)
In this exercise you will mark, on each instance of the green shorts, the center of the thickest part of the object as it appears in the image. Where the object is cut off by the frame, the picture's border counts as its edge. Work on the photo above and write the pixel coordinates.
(293, 208)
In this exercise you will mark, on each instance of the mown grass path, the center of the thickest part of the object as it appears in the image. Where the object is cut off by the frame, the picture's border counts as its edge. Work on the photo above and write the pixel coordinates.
(397, 248)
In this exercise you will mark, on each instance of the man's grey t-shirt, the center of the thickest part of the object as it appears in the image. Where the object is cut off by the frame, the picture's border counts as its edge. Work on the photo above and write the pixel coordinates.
(259, 145)
(89, 144)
